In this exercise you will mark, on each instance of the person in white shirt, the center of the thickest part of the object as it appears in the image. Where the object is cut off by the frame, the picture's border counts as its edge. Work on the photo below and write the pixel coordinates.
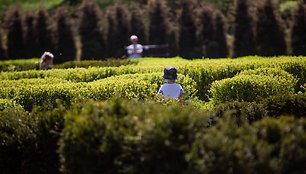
(170, 89)
(134, 50)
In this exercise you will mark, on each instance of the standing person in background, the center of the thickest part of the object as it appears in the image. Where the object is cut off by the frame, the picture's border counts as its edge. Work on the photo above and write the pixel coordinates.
(170, 89)
(134, 50)
(46, 61)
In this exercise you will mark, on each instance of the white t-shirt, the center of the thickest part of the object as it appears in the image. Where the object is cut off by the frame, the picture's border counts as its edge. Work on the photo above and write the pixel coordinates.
(135, 50)
(171, 90)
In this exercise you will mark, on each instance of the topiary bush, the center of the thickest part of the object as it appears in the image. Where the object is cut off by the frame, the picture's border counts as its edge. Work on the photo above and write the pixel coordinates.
(245, 111)
(271, 72)
(6, 103)
(28, 141)
(291, 104)
(124, 136)
(15, 136)
(249, 88)
(269, 145)
(96, 63)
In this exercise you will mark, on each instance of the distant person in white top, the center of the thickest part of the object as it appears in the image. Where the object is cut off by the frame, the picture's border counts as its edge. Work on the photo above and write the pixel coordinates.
(134, 50)
(46, 61)
(170, 89)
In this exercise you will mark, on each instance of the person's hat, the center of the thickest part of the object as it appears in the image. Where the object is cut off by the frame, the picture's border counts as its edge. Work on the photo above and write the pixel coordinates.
(134, 37)
(170, 73)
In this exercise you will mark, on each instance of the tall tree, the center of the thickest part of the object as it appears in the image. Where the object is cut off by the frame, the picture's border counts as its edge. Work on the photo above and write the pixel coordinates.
(244, 43)
(65, 43)
(221, 49)
(137, 23)
(30, 37)
(111, 35)
(298, 37)
(187, 30)
(270, 36)
(90, 31)
(45, 35)
(121, 28)
(158, 21)
(206, 30)
(14, 27)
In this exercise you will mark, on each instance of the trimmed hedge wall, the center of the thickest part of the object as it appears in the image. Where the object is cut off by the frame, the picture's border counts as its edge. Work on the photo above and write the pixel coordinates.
(28, 141)
(203, 72)
(267, 146)
(126, 136)
(253, 85)
(32, 64)
(132, 136)
(32, 92)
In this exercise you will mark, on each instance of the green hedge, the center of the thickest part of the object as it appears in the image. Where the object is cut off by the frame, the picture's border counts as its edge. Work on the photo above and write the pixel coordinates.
(244, 111)
(33, 64)
(271, 72)
(126, 136)
(132, 136)
(292, 104)
(31, 92)
(95, 63)
(6, 103)
(28, 141)
(249, 88)
(203, 72)
(267, 146)
(19, 65)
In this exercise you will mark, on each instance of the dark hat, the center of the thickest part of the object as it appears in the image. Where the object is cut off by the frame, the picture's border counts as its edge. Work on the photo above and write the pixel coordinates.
(170, 73)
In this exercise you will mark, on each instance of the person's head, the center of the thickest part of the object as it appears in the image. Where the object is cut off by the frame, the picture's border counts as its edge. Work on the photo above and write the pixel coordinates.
(134, 39)
(170, 73)
(47, 58)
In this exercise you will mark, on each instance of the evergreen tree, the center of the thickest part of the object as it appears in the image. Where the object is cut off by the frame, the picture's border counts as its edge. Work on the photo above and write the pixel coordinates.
(270, 37)
(111, 36)
(30, 40)
(244, 43)
(158, 22)
(221, 48)
(137, 23)
(91, 35)
(206, 31)
(65, 43)
(187, 30)
(45, 34)
(298, 37)
(121, 29)
(13, 24)
(2, 50)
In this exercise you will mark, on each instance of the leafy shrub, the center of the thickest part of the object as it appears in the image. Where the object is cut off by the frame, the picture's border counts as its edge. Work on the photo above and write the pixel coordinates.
(244, 111)
(124, 136)
(292, 104)
(32, 64)
(15, 135)
(96, 63)
(269, 145)
(5, 103)
(272, 72)
(203, 72)
(29, 140)
(29, 96)
(249, 88)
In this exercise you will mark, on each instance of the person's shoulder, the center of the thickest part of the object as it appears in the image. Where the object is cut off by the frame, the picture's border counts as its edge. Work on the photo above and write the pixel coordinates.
(130, 46)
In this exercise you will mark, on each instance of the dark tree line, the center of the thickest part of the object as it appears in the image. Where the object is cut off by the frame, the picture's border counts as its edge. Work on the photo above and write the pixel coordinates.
(193, 31)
